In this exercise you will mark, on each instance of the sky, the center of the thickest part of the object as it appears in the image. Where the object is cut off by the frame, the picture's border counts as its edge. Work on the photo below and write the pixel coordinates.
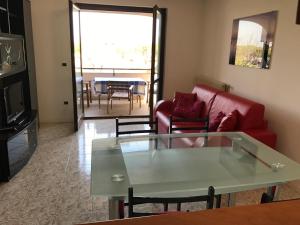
(250, 33)
(111, 39)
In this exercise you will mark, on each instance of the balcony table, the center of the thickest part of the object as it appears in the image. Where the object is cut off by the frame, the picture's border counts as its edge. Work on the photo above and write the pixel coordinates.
(139, 83)
(231, 162)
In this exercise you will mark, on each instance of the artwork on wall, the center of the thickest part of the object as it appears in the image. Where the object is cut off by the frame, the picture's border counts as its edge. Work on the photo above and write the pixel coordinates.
(252, 40)
(298, 14)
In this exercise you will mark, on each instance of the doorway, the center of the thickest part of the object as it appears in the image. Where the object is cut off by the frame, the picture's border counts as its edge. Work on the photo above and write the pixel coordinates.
(116, 45)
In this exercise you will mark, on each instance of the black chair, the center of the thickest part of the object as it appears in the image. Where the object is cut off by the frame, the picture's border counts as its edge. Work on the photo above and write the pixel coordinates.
(202, 126)
(152, 124)
(132, 200)
(266, 198)
(153, 129)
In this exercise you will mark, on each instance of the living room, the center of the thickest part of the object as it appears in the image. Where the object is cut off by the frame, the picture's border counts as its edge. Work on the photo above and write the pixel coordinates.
(198, 43)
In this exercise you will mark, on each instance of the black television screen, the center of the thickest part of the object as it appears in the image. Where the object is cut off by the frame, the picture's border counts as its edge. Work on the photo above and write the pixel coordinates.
(14, 101)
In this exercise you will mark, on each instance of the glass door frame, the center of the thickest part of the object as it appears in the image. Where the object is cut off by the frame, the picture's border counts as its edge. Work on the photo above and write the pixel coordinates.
(78, 116)
(133, 9)
(161, 59)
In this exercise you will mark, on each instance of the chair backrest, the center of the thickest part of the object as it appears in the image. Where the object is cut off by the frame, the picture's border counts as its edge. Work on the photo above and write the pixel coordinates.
(182, 124)
(153, 127)
(132, 200)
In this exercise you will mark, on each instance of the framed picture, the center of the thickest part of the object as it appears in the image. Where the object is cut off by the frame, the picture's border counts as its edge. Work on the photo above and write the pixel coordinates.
(252, 40)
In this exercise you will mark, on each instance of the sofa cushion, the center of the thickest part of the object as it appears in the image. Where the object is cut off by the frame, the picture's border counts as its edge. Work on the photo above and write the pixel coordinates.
(214, 124)
(184, 98)
(207, 95)
(183, 102)
(188, 110)
(250, 116)
(229, 122)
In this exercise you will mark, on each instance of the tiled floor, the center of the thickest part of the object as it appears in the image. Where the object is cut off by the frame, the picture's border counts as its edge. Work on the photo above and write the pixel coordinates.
(54, 187)
(120, 108)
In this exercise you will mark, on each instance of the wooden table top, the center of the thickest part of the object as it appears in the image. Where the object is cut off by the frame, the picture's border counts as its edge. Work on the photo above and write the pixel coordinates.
(281, 213)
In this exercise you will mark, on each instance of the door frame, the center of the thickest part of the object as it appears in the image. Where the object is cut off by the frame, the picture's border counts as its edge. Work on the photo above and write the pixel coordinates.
(132, 9)
(163, 12)
(77, 121)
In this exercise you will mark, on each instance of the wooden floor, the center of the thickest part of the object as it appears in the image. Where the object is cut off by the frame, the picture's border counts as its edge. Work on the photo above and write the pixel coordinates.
(120, 108)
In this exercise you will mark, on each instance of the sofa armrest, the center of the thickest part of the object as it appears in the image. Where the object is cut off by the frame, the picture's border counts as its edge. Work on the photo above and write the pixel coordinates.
(266, 136)
(164, 106)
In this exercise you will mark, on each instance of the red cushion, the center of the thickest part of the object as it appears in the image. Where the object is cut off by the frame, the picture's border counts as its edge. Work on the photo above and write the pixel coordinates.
(229, 122)
(214, 124)
(189, 97)
(186, 106)
(187, 111)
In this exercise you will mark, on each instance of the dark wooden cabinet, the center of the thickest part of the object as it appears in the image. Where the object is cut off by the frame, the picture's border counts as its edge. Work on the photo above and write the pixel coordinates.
(4, 24)
(17, 147)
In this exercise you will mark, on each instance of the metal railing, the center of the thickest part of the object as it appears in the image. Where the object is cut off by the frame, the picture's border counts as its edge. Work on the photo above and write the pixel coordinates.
(117, 69)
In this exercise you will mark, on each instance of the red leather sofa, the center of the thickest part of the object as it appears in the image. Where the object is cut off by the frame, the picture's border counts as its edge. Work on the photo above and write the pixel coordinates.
(250, 114)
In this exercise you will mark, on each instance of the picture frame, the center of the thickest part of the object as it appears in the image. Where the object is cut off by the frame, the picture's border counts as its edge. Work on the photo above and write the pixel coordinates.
(252, 40)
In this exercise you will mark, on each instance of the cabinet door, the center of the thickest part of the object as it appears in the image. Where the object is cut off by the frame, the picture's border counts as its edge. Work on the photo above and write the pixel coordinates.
(21, 147)
(18, 152)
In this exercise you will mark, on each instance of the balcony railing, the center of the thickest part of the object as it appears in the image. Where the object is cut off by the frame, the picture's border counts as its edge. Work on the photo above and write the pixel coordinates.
(114, 71)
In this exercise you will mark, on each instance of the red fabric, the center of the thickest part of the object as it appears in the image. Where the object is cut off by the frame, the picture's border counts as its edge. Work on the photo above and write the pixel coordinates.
(207, 95)
(251, 114)
(229, 122)
(184, 98)
(163, 122)
(165, 106)
(214, 124)
(185, 110)
(264, 135)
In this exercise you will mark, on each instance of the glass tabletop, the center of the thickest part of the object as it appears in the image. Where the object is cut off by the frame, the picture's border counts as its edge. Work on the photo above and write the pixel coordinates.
(186, 164)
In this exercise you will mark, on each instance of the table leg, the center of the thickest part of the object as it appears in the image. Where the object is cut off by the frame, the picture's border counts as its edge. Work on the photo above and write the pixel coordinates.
(113, 208)
(91, 99)
(231, 199)
(87, 94)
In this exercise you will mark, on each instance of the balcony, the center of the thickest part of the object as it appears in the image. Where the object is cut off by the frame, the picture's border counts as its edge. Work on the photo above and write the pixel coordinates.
(120, 107)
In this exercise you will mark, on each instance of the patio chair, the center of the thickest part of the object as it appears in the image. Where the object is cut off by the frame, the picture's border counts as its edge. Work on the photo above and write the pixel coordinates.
(117, 91)
(98, 92)
(87, 89)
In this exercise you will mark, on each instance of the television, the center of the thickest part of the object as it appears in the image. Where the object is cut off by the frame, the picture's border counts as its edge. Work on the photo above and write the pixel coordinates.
(14, 101)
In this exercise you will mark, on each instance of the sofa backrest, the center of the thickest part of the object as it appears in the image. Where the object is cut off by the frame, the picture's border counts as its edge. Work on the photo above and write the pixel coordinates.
(251, 114)
(207, 95)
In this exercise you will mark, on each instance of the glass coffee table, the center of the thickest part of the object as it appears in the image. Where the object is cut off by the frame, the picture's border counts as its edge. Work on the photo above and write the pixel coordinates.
(181, 165)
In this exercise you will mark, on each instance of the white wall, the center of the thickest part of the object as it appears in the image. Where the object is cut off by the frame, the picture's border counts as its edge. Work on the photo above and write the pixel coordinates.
(277, 88)
(52, 47)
